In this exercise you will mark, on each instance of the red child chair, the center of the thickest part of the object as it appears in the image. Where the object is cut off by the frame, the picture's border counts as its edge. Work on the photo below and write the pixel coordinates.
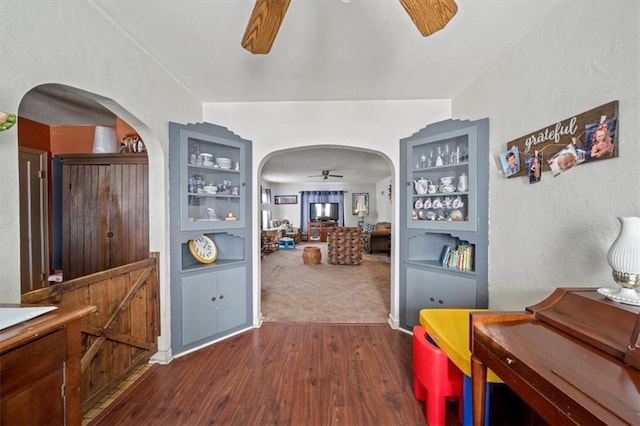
(435, 378)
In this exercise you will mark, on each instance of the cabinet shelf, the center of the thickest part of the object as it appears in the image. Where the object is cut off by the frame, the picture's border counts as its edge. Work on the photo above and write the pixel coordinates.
(441, 194)
(212, 169)
(451, 166)
(199, 195)
(436, 265)
(221, 263)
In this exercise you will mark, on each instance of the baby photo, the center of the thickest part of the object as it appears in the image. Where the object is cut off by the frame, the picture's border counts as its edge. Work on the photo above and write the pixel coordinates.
(564, 160)
(600, 140)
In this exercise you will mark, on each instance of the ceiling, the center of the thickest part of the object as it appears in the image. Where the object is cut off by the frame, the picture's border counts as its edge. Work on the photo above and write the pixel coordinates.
(324, 50)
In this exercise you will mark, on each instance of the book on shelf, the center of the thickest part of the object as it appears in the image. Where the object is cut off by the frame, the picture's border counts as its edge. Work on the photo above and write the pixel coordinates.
(460, 258)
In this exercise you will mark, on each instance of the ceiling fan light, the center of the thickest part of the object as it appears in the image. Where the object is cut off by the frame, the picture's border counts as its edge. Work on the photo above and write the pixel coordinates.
(263, 26)
(430, 16)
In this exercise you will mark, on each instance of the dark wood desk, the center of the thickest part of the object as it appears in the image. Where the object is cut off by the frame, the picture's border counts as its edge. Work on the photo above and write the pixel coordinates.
(40, 369)
(564, 357)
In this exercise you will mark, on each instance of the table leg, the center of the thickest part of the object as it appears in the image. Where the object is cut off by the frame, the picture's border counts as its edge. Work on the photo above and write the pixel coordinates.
(478, 390)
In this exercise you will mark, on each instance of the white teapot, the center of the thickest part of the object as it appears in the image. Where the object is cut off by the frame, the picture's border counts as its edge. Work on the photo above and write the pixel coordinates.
(421, 185)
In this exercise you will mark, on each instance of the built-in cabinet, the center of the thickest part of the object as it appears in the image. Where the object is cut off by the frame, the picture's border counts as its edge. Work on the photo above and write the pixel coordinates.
(444, 218)
(105, 212)
(210, 194)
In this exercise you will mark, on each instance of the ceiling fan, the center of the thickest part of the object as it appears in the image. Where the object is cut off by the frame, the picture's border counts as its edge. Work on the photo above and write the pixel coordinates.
(326, 174)
(428, 16)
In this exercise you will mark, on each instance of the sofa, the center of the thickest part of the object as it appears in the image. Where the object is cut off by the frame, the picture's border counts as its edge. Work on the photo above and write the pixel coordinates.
(380, 238)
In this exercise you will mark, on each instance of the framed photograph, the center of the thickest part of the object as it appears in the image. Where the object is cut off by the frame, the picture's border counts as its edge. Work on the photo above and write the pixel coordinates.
(510, 161)
(286, 199)
(360, 204)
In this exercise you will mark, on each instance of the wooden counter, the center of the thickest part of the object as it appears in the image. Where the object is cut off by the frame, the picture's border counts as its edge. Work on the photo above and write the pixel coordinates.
(40, 369)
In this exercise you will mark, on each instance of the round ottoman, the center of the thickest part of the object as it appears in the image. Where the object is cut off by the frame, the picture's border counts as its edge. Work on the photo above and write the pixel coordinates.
(311, 255)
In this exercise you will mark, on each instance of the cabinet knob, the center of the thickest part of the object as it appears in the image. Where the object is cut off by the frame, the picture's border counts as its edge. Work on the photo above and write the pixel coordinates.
(440, 301)
(222, 296)
(213, 299)
(109, 234)
(432, 299)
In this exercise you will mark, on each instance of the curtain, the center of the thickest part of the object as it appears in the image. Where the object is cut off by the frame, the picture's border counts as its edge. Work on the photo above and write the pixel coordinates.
(307, 197)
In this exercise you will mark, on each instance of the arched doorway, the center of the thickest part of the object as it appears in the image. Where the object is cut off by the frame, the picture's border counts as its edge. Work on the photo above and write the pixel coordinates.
(56, 119)
(287, 173)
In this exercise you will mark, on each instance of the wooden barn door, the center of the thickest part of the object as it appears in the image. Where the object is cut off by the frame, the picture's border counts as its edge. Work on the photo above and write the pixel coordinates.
(105, 204)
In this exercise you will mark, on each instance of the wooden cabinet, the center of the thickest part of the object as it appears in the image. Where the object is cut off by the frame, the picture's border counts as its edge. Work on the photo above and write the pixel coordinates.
(40, 369)
(105, 212)
(209, 301)
(213, 302)
(429, 289)
(317, 231)
(444, 209)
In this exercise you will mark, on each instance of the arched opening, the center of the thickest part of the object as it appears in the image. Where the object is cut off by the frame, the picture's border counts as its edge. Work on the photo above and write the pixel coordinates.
(288, 290)
(54, 120)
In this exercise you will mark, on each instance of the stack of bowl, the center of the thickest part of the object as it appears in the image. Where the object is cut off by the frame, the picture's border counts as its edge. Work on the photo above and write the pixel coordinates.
(210, 189)
(223, 163)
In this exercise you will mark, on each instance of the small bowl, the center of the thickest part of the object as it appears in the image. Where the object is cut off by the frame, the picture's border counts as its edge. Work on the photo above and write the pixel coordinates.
(210, 189)
(447, 180)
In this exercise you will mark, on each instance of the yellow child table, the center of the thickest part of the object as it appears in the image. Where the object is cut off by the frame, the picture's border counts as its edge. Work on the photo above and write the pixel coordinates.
(449, 329)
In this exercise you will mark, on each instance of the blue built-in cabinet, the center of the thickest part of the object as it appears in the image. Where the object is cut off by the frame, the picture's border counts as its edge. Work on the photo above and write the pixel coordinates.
(214, 300)
(444, 218)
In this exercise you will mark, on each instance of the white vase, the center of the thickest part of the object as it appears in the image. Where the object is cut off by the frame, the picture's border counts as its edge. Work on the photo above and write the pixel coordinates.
(624, 254)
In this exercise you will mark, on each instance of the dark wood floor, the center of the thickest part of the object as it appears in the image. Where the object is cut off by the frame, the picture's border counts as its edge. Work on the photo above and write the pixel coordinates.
(281, 374)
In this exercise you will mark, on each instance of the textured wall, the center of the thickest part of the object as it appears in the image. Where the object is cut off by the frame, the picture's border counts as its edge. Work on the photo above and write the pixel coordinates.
(557, 232)
(72, 43)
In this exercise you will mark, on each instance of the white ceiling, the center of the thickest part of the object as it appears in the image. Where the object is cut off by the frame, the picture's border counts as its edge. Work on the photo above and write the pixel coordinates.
(325, 50)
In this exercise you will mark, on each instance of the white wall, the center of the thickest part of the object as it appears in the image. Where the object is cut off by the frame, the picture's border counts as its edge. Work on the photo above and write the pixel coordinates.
(292, 211)
(384, 204)
(375, 126)
(557, 232)
(72, 43)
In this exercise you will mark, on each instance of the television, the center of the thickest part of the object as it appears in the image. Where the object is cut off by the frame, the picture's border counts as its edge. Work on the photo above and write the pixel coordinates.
(322, 212)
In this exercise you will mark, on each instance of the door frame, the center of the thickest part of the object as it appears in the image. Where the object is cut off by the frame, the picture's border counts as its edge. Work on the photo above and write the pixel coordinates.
(34, 218)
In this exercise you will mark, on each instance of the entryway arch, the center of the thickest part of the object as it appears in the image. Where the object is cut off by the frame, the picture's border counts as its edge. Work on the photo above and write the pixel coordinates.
(288, 171)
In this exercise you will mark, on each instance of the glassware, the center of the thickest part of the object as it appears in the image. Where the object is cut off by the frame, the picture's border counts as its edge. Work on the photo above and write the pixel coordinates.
(439, 161)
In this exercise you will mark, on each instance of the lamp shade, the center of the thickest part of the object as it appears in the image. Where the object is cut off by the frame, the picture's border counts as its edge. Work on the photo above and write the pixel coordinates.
(624, 254)
(104, 140)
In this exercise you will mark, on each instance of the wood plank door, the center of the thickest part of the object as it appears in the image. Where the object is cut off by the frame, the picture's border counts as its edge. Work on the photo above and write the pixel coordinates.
(105, 212)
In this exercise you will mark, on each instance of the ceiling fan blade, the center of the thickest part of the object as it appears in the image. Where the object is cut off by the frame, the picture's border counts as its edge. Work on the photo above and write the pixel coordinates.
(430, 16)
(336, 176)
(263, 26)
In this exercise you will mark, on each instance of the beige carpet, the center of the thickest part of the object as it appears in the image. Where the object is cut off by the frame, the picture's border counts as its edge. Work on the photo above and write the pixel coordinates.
(295, 292)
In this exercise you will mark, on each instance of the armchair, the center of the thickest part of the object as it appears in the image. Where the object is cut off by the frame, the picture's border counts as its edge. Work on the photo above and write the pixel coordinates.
(380, 238)
(344, 245)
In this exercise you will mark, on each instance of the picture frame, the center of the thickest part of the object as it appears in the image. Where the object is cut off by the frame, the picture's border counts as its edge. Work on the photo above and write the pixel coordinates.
(360, 204)
(286, 199)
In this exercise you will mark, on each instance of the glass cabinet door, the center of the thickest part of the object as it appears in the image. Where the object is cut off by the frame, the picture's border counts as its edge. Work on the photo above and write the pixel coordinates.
(214, 183)
(441, 182)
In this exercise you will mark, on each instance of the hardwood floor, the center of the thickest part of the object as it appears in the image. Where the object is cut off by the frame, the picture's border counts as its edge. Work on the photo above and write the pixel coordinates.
(281, 374)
